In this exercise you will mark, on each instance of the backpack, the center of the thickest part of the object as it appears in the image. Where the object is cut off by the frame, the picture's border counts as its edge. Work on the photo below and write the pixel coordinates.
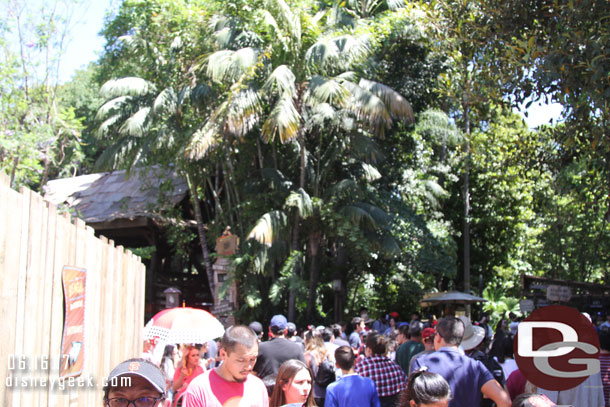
(494, 368)
(325, 374)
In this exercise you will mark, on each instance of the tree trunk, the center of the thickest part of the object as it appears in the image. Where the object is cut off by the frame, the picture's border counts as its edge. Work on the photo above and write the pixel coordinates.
(314, 271)
(466, 111)
(13, 170)
(296, 229)
(201, 231)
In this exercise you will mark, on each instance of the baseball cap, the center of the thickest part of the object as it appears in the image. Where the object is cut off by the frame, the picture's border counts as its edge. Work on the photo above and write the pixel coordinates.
(394, 314)
(257, 327)
(427, 333)
(291, 327)
(278, 322)
(142, 368)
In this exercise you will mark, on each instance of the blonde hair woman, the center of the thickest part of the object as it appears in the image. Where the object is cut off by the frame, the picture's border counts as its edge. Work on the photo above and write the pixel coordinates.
(315, 354)
(186, 371)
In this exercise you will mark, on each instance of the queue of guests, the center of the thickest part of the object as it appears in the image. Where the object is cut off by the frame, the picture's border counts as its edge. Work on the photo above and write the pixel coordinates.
(450, 362)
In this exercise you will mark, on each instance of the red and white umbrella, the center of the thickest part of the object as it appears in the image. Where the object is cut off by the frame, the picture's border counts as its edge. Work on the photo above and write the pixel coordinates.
(183, 325)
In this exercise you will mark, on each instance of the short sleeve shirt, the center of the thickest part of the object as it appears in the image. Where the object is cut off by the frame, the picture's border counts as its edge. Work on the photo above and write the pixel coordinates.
(211, 390)
(354, 340)
(465, 376)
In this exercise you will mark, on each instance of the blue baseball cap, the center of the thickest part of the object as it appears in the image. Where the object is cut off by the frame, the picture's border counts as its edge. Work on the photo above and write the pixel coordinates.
(278, 323)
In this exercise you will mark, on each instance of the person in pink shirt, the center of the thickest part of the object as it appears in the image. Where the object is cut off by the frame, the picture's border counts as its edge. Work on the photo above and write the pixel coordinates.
(231, 383)
(186, 371)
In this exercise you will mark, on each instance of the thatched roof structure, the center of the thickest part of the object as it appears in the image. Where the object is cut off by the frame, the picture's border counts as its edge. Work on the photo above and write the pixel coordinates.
(117, 200)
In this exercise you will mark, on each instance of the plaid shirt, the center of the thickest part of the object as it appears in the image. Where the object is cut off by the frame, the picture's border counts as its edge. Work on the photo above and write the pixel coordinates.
(386, 374)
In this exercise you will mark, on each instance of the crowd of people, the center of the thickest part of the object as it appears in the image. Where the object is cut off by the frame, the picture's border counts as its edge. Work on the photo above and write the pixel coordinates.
(370, 363)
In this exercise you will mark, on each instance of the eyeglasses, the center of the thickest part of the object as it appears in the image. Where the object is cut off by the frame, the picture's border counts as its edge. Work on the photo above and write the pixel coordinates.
(139, 402)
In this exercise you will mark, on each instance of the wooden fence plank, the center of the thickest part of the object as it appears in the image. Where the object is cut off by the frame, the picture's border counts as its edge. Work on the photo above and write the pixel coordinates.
(19, 351)
(34, 307)
(51, 280)
(10, 250)
(5, 180)
(93, 316)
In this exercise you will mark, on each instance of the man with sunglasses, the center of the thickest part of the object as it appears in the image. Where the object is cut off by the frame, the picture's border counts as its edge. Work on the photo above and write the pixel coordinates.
(135, 382)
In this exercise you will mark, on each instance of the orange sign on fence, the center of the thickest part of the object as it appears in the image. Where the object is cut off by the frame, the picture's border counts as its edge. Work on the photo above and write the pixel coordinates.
(72, 346)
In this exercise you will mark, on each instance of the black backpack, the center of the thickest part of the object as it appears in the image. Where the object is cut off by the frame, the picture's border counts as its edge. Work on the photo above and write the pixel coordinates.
(325, 374)
(494, 368)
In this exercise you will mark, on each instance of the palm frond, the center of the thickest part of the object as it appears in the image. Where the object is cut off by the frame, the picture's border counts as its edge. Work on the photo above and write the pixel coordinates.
(276, 178)
(322, 53)
(243, 112)
(345, 187)
(202, 140)
(359, 216)
(365, 148)
(104, 128)
(200, 93)
(326, 90)
(136, 124)
(274, 27)
(284, 120)
(370, 173)
(113, 105)
(352, 48)
(281, 79)
(287, 19)
(300, 199)
(165, 102)
(118, 154)
(390, 245)
(367, 107)
(268, 227)
(382, 219)
(395, 4)
(130, 86)
(397, 105)
(322, 113)
(340, 52)
(227, 65)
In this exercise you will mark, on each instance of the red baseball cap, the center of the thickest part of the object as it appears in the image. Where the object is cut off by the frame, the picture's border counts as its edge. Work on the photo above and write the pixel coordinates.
(427, 333)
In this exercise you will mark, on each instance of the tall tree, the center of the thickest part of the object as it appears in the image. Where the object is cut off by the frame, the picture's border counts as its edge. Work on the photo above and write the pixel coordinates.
(302, 74)
(39, 137)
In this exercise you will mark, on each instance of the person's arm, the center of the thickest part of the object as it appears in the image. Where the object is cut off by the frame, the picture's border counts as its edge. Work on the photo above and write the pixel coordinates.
(492, 390)
(179, 376)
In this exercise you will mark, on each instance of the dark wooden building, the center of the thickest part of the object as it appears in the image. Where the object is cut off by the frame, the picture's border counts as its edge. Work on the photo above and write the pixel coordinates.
(135, 211)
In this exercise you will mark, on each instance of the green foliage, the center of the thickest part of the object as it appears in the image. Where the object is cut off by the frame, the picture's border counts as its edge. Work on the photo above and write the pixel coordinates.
(294, 122)
(498, 304)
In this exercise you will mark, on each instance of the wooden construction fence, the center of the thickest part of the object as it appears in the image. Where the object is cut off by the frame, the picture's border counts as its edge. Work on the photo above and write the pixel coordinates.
(36, 242)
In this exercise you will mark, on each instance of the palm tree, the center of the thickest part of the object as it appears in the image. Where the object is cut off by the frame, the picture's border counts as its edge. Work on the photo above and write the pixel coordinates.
(146, 127)
(299, 78)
